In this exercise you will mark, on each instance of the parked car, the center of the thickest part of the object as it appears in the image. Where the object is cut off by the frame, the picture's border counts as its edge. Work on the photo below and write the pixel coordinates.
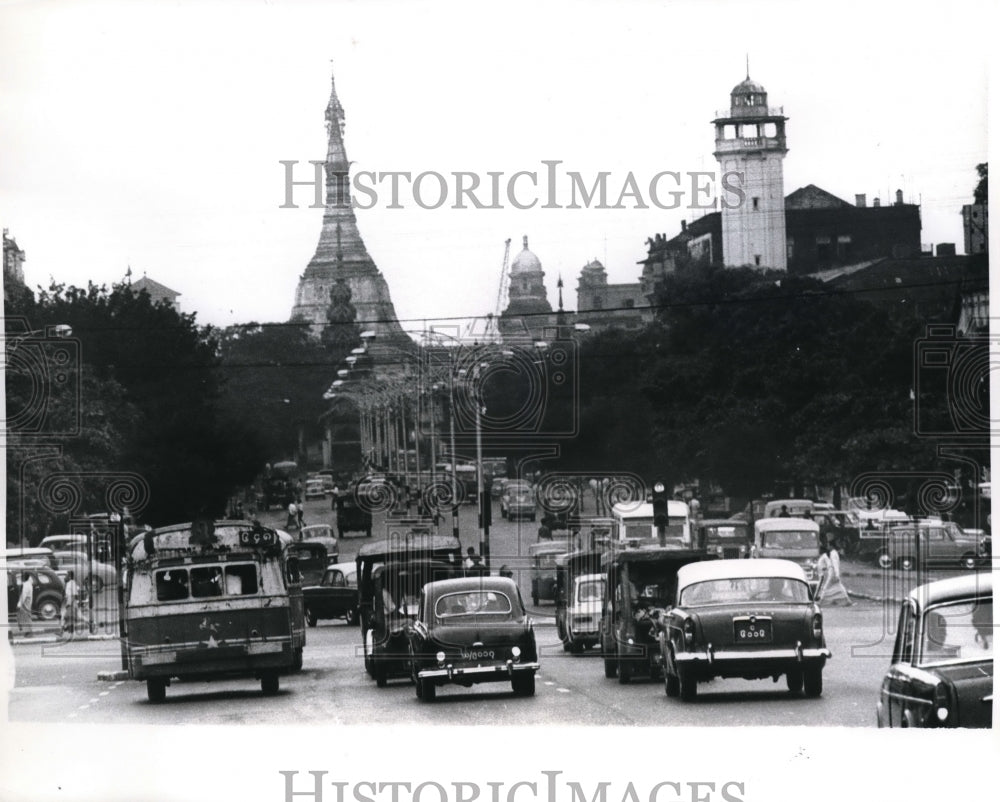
(942, 544)
(743, 618)
(518, 501)
(92, 574)
(942, 661)
(30, 557)
(336, 595)
(48, 594)
(315, 487)
(322, 533)
(472, 630)
(497, 487)
(728, 539)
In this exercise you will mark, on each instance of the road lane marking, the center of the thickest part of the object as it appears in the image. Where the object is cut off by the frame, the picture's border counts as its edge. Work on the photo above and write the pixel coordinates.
(104, 693)
(563, 690)
(549, 683)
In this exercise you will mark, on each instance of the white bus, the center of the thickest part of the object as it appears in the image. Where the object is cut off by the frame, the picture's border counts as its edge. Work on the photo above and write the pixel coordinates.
(633, 523)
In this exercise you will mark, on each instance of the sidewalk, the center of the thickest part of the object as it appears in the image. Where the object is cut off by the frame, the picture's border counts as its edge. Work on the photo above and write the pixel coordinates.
(865, 580)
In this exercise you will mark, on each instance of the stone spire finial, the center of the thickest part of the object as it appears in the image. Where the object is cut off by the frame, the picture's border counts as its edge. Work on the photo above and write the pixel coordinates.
(525, 241)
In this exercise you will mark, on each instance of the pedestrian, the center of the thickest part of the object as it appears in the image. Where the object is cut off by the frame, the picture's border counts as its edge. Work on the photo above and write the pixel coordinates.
(70, 594)
(25, 602)
(505, 571)
(300, 515)
(831, 587)
(472, 559)
(293, 515)
(784, 512)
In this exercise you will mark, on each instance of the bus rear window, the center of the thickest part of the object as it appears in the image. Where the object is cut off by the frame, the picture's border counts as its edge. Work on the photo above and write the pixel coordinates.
(241, 580)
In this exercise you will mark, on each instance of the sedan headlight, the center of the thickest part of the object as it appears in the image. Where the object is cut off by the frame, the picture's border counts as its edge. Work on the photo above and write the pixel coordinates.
(942, 703)
(440, 658)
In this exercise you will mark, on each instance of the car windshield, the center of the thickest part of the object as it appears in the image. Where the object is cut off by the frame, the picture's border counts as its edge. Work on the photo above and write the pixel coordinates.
(725, 531)
(959, 631)
(473, 602)
(311, 532)
(737, 590)
(591, 590)
(789, 539)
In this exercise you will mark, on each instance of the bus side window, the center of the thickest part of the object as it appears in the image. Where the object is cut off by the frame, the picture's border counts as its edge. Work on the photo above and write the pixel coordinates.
(171, 585)
(241, 580)
(206, 582)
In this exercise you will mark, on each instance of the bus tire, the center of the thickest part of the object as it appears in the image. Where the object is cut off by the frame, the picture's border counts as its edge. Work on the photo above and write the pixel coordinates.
(269, 684)
(310, 617)
(156, 689)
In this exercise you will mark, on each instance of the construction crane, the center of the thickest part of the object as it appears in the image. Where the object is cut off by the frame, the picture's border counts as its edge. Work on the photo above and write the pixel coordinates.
(492, 321)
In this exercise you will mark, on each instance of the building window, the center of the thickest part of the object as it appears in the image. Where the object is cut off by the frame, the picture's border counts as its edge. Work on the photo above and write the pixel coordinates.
(844, 246)
(756, 204)
(791, 247)
(756, 259)
(598, 304)
(629, 303)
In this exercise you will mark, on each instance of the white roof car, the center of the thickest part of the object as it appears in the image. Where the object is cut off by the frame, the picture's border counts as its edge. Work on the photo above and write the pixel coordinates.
(735, 569)
(785, 525)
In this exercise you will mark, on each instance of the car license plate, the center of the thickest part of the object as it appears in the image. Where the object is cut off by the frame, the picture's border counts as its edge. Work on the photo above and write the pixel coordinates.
(747, 631)
(478, 654)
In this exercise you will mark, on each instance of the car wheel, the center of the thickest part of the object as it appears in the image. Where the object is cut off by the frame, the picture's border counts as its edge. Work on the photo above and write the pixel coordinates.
(534, 599)
(969, 561)
(426, 689)
(156, 689)
(524, 683)
(566, 645)
(624, 672)
(48, 609)
(297, 660)
(269, 684)
(369, 666)
(576, 647)
(381, 674)
(905, 563)
(793, 679)
(884, 560)
(813, 677)
(351, 617)
(610, 668)
(310, 617)
(687, 685)
(672, 685)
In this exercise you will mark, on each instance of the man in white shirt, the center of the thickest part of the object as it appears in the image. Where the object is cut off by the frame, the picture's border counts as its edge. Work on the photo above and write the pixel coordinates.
(70, 593)
(25, 602)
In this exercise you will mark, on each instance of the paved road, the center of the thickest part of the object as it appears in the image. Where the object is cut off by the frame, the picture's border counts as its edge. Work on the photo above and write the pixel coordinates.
(58, 683)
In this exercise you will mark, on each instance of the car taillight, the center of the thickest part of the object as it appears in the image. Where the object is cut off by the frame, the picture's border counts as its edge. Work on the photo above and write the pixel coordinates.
(689, 631)
(817, 626)
(718, 550)
(942, 703)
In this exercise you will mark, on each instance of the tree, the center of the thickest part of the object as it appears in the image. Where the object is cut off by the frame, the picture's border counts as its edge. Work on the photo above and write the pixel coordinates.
(981, 193)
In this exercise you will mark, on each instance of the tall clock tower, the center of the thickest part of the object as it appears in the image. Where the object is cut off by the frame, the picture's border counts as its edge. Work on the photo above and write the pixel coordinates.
(750, 139)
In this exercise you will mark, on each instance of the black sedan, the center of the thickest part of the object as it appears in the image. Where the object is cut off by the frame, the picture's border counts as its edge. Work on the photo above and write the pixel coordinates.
(336, 595)
(743, 618)
(942, 662)
(471, 630)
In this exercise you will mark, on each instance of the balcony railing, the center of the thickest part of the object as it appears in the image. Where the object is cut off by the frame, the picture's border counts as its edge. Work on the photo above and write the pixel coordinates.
(750, 142)
(741, 112)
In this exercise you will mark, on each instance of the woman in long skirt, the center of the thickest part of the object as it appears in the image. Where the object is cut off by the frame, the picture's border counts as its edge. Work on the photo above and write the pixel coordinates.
(831, 587)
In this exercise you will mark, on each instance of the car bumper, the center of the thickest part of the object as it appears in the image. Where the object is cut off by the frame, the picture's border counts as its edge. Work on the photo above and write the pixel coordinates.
(493, 671)
(723, 657)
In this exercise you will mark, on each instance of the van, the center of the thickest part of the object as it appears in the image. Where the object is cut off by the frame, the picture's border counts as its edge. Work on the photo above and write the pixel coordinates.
(633, 523)
(795, 539)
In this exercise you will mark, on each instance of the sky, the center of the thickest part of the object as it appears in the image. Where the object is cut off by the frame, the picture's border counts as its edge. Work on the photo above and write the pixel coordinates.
(149, 135)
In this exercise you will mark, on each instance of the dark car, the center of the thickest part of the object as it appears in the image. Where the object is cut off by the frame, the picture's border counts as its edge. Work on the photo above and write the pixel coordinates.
(391, 573)
(941, 544)
(48, 593)
(543, 568)
(840, 528)
(640, 586)
(311, 560)
(743, 618)
(336, 595)
(354, 508)
(942, 661)
(727, 538)
(472, 630)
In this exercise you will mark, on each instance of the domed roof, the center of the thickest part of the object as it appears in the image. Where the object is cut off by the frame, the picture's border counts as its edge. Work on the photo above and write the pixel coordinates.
(748, 87)
(593, 266)
(525, 261)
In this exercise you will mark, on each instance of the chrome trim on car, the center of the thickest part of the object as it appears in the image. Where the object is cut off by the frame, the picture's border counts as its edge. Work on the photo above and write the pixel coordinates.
(770, 654)
(451, 671)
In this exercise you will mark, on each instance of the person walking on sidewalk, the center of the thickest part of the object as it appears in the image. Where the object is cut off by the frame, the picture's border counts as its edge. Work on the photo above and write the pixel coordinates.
(831, 587)
(25, 602)
(70, 593)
